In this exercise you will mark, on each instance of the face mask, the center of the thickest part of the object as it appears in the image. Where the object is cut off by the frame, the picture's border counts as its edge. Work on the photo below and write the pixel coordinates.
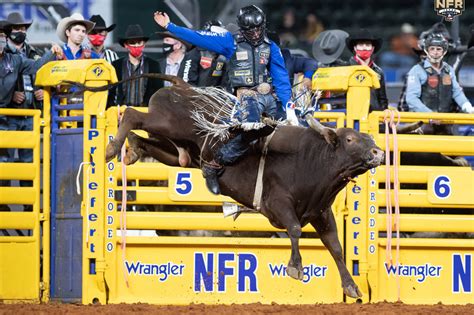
(364, 54)
(135, 51)
(97, 39)
(17, 37)
(3, 43)
(167, 48)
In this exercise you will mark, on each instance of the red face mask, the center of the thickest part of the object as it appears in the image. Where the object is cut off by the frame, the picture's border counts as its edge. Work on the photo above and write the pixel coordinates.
(364, 54)
(97, 39)
(135, 51)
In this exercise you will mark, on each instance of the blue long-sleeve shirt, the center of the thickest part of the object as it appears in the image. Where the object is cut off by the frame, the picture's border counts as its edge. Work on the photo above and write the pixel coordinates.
(417, 76)
(224, 44)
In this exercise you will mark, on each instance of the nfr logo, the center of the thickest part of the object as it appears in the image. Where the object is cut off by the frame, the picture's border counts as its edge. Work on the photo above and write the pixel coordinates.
(241, 268)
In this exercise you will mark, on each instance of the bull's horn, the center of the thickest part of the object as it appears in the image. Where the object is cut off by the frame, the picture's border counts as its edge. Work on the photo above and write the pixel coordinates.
(409, 127)
(328, 133)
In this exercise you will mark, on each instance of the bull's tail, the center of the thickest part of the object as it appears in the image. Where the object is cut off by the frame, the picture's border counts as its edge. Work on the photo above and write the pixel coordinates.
(166, 77)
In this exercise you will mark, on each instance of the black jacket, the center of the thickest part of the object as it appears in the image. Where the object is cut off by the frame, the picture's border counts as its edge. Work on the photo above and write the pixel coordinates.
(117, 96)
(188, 69)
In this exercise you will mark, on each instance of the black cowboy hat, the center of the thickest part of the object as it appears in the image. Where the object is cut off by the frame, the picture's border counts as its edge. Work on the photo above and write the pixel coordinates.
(16, 19)
(133, 31)
(169, 34)
(363, 35)
(3, 25)
(100, 24)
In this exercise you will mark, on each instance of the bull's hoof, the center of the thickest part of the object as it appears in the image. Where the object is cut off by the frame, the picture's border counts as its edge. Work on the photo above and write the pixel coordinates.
(294, 273)
(352, 291)
(111, 151)
(131, 157)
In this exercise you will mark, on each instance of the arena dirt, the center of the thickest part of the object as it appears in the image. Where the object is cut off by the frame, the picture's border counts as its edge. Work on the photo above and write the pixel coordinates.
(330, 309)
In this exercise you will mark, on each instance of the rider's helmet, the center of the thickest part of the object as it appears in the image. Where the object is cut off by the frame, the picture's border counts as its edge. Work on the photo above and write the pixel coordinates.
(207, 26)
(251, 21)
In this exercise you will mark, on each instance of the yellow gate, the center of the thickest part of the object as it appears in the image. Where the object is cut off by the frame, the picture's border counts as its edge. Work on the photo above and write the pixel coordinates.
(24, 276)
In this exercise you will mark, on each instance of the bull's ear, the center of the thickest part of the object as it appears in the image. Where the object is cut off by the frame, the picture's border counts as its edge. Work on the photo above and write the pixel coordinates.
(330, 136)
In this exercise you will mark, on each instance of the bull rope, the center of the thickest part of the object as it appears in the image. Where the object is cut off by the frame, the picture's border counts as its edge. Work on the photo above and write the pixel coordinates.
(257, 198)
(388, 250)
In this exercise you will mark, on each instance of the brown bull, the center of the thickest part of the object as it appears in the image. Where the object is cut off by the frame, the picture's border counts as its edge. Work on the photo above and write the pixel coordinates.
(303, 173)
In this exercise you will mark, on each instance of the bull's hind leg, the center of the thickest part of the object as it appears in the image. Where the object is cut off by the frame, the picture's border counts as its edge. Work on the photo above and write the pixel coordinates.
(284, 211)
(132, 119)
(327, 230)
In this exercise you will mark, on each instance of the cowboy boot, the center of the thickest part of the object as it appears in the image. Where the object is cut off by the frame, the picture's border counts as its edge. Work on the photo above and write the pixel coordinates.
(211, 172)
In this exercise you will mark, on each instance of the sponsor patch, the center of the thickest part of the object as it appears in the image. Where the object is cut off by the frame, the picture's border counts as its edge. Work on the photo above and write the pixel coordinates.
(217, 73)
(240, 73)
(205, 62)
(249, 80)
(242, 55)
(433, 81)
(219, 65)
(447, 79)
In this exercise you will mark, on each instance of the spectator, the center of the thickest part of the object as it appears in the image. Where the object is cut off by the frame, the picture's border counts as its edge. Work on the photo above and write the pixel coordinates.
(296, 64)
(25, 95)
(364, 46)
(313, 28)
(288, 29)
(432, 84)
(256, 66)
(401, 53)
(72, 31)
(12, 66)
(212, 66)
(176, 61)
(97, 37)
(328, 48)
(135, 92)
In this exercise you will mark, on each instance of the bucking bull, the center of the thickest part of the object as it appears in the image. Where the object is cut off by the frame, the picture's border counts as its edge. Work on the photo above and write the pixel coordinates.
(304, 168)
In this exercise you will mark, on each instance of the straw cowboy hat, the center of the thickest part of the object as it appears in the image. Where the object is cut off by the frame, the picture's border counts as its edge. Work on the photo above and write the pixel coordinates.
(133, 31)
(100, 24)
(169, 34)
(76, 18)
(16, 19)
(363, 35)
(329, 45)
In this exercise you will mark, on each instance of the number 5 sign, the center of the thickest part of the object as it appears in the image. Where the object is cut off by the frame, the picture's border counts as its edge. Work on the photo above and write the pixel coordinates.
(453, 187)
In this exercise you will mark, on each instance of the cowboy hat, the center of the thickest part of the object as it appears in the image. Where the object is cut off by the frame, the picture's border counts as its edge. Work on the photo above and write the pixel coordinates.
(329, 45)
(3, 25)
(133, 31)
(64, 24)
(100, 24)
(363, 35)
(169, 34)
(16, 19)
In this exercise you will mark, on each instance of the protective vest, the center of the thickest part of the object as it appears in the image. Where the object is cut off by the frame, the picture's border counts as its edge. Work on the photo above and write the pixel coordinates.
(211, 68)
(436, 92)
(248, 65)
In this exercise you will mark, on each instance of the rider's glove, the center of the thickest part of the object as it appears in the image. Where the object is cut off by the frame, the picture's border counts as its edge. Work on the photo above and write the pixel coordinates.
(290, 114)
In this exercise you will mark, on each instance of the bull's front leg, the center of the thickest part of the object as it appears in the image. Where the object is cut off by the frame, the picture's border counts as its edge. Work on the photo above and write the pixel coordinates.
(132, 119)
(327, 230)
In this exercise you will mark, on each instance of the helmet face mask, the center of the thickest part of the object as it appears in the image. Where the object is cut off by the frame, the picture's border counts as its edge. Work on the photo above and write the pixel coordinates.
(251, 21)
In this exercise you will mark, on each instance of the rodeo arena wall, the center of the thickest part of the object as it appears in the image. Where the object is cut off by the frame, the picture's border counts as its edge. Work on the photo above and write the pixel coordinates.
(88, 238)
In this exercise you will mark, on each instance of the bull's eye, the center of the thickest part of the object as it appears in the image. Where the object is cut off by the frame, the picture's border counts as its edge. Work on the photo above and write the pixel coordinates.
(349, 139)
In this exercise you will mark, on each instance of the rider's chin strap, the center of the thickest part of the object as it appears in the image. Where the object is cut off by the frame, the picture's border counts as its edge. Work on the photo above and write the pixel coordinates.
(390, 123)
(257, 198)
